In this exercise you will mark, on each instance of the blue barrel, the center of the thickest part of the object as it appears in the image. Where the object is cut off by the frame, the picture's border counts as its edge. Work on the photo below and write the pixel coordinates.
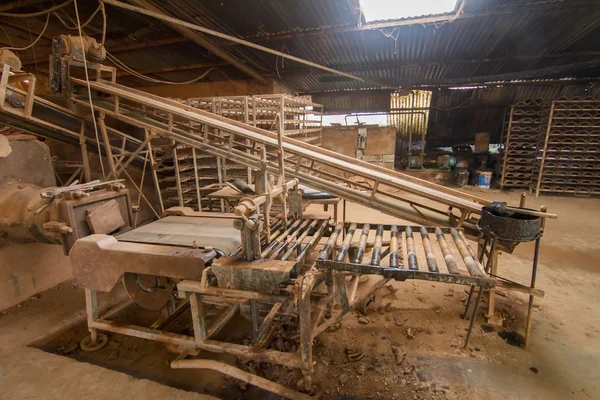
(484, 179)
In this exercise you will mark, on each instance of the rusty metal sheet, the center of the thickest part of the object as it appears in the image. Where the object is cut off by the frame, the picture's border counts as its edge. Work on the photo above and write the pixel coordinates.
(99, 261)
(217, 233)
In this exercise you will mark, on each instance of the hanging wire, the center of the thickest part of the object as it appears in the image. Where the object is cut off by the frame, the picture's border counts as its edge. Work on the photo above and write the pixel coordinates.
(34, 42)
(39, 13)
(7, 35)
(103, 23)
(86, 23)
(87, 79)
(147, 78)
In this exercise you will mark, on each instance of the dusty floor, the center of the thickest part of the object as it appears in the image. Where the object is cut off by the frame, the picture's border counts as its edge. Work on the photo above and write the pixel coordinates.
(561, 362)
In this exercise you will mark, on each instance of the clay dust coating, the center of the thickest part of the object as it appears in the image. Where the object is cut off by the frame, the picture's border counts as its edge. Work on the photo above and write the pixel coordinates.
(428, 343)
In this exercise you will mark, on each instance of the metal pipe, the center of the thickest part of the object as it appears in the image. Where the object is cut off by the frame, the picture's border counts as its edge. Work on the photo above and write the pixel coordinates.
(317, 235)
(376, 255)
(410, 249)
(448, 257)
(394, 246)
(362, 244)
(278, 240)
(284, 245)
(429, 255)
(299, 240)
(346, 243)
(242, 376)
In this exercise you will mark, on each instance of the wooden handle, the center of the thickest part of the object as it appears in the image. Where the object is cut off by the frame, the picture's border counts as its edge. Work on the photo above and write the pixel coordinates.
(531, 212)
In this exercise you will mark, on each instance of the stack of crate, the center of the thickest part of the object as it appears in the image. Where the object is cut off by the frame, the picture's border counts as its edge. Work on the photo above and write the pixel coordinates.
(189, 175)
(525, 131)
(570, 162)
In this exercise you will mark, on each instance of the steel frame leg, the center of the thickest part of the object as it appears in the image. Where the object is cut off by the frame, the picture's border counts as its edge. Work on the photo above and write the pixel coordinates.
(465, 313)
(474, 315)
(531, 297)
(91, 308)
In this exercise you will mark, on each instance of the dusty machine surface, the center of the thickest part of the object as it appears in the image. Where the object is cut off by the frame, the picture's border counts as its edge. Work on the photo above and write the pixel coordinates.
(24, 159)
(298, 272)
(62, 215)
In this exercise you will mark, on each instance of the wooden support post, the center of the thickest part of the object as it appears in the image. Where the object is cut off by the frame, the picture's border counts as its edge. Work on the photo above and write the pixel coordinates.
(512, 109)
(281, 180)
(107, 147)
(153, 167)
(196, 178)
(177, 176)
(84, 153)
(548, 128)
(198, 318)
(4, 83)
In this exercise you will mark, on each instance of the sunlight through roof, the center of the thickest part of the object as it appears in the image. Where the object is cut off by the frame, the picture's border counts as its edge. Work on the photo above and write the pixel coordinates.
(375, 10)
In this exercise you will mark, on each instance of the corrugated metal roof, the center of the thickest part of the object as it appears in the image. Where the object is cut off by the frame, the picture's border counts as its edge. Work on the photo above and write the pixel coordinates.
(327, 32)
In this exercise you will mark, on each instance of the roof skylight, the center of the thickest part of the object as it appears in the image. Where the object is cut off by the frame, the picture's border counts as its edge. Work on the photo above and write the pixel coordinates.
(375, 10)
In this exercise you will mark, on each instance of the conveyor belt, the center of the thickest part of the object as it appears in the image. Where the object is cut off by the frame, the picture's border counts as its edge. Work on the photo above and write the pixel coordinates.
(394, 193)
(225, 138)
(204, 232)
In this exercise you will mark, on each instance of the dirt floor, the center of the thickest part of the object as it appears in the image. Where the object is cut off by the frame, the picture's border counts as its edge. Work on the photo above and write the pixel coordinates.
(409, 349)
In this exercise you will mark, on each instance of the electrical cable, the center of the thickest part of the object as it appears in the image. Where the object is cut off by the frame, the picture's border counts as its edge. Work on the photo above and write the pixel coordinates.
(147, 78)
(7, 36)
(33, 48)
(87, 79)
(37, 14)
(34, 42)
(103, 23)
(86, 23)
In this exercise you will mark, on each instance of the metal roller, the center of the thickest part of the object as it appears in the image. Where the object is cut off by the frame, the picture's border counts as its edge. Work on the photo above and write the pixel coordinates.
(410, 249)
(429, 255)
(284, 245)
(394, 246)
(280, 238)
(299, 240)
(463, 249)
(448, 257)
(347, 242)
(362, 244)
(327, 250)
(376, 256)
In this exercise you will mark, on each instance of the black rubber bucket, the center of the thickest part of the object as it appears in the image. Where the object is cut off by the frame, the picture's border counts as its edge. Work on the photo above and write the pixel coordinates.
(510, 226)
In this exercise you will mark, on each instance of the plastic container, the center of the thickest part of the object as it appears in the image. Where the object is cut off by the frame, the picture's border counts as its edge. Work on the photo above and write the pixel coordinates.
(484, 179)
(462, 177)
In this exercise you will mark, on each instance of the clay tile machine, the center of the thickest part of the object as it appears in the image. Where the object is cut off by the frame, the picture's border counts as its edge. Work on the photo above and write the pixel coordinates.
(291, 270)
(300, 272)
